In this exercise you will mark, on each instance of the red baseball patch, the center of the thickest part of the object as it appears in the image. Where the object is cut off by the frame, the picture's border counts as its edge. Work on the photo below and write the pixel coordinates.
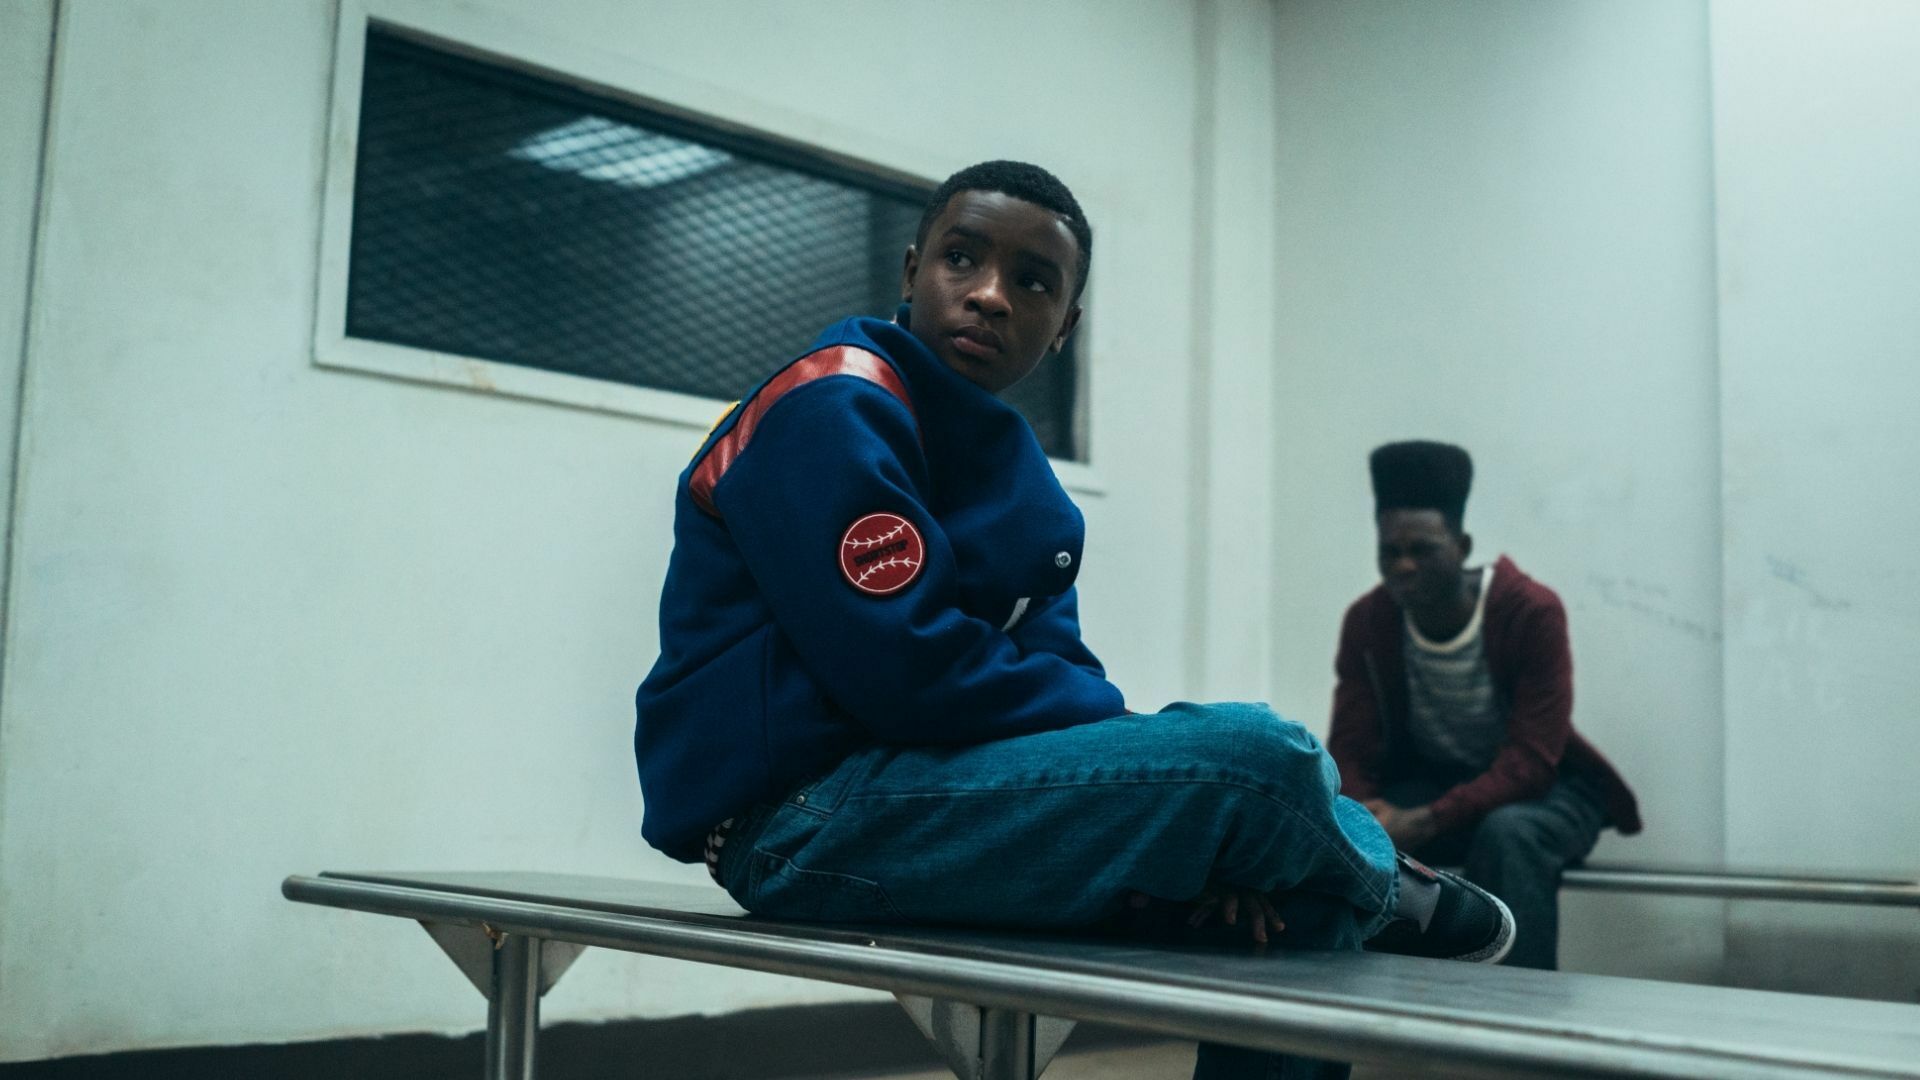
(880, 554)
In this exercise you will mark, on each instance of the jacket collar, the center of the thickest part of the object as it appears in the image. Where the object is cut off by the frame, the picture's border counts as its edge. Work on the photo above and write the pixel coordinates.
(957, 417)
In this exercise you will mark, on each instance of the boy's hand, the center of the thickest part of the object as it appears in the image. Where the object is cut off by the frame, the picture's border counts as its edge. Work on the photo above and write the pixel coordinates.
(1407, 828)
(1231, 902)
(1177, 919)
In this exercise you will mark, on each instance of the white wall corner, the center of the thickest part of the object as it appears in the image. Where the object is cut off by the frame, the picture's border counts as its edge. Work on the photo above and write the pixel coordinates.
(1234, 281)
(27, 35)
(26, 58)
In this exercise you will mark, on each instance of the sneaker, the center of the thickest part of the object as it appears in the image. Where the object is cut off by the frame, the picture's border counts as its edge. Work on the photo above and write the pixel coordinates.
(1449, 918)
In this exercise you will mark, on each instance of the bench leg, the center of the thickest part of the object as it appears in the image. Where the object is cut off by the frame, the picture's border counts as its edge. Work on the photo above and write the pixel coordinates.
(513, 972)
(513, 1008)
(1006, 1045)
(987, 1044)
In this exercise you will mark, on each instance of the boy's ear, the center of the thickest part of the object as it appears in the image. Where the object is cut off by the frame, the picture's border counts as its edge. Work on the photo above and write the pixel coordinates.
(1066, 329)
(1466, 547)
(907, 268)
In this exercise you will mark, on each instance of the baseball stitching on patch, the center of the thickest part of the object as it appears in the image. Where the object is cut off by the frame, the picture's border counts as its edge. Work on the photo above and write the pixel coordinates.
(860, 544)
(881, 554)
(882, 568)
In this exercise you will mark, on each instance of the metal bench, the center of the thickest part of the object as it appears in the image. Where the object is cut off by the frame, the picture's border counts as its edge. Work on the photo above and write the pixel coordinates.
(1743, 884)
(998, 1005)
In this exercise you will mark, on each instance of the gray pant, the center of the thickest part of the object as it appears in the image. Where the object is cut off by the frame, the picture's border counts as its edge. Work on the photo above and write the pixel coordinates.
(1517, 853)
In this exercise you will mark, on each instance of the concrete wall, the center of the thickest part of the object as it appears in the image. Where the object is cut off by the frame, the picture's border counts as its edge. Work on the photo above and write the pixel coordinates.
(269, 617)
(1655, 264)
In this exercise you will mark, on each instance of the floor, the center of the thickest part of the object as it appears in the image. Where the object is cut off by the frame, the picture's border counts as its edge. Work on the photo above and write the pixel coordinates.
(1160, 1061)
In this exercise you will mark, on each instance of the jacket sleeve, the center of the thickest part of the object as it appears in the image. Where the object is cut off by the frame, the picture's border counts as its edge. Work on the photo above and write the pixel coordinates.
(910, 667)
(1538, 726)
(1052, 626)
(1354, 738)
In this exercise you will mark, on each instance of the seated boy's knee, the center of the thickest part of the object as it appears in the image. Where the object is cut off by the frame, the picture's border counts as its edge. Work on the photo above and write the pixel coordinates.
(1250, 736)
(1514, 826)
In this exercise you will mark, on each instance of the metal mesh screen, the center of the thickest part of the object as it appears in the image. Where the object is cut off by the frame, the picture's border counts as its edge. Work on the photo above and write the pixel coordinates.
(502, 216)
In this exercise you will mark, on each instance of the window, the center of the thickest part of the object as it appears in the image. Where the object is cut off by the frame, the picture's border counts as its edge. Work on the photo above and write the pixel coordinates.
(507, 217)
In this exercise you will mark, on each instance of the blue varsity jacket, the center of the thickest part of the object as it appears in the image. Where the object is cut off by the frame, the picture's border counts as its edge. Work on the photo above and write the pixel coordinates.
(868, 549)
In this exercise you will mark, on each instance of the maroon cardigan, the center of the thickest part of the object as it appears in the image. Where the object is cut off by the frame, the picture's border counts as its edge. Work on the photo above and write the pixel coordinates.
(1525, 630)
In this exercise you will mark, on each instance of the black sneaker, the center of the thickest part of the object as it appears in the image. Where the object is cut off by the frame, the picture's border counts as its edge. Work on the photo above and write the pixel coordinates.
(1466, 922)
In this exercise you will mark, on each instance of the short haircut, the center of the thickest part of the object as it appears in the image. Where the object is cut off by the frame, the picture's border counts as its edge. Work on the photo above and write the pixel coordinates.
(1422, 475)
(1022, 181)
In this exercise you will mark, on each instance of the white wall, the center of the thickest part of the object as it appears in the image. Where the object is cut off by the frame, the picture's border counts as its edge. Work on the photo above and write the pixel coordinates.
(26, 30)
(268, 618)
(272, 618)
(1230, 625)
(1817, 150)
(1495, 229)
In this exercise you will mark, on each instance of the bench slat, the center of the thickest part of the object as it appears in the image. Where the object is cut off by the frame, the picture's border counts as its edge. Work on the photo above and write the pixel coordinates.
(1384, 1010)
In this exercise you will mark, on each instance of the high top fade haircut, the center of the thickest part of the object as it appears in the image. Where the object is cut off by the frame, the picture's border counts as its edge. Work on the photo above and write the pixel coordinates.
(1022, 181)
(1422, 475)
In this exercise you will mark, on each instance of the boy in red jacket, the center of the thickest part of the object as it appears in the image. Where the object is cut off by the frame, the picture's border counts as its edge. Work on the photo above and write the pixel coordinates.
(1452, 720)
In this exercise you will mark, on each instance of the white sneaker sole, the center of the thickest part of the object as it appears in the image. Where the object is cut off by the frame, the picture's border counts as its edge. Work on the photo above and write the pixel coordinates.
(1502, 943)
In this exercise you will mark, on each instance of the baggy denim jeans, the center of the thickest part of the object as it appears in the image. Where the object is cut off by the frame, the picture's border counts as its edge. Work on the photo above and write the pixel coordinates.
(1055, 830)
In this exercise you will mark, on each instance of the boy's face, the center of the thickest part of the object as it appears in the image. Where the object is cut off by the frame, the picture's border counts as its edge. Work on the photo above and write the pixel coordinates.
(1421, 558)
(992, 293)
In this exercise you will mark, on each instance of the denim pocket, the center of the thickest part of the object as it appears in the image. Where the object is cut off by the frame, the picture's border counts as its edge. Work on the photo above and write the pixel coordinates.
(807, 796)
(823, 794)
(781, 890)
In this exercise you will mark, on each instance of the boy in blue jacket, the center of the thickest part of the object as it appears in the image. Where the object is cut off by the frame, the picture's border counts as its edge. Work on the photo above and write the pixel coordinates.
(872, 702)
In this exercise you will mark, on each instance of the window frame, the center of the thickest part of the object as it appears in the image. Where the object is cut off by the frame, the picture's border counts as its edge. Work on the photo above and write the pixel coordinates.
(502, 39)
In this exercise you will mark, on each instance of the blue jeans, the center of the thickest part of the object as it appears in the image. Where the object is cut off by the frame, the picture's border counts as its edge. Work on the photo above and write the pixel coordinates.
(1054, 830)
